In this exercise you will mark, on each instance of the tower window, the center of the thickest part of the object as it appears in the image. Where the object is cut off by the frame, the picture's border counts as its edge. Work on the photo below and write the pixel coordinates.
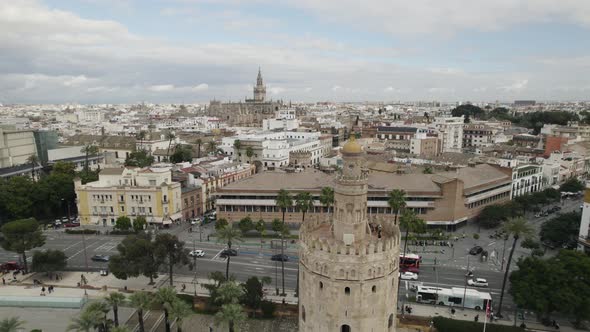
(303, 312)
(374, 289)
(345, 328)
(321, 285)
(390, 321)
(347, 290)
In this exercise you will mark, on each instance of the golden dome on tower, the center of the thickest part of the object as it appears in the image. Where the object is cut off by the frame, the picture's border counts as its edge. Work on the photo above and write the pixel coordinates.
(352, 146)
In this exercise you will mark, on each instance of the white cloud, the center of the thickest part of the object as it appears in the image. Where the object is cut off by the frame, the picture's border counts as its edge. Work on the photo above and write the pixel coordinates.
(201, 87)
(336, 88)
(276, 90)
(516, 86)
(161, 88)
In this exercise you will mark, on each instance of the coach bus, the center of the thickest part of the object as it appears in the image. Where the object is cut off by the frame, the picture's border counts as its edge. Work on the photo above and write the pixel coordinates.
(411, 262)
(453, 297)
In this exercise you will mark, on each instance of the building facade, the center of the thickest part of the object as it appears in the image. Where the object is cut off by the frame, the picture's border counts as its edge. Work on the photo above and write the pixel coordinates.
(349, 267)
(16, 146)
(251, 112)
(129, 192)
(445, 200)
(451, 133)
(527, 179)
(584, 234)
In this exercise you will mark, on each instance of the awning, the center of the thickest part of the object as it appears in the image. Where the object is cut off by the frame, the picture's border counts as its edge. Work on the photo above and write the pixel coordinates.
(166, 221)
(154, 220)
(176, 216)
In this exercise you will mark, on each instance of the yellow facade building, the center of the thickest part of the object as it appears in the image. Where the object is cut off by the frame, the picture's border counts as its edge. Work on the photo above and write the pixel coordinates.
(131, 192)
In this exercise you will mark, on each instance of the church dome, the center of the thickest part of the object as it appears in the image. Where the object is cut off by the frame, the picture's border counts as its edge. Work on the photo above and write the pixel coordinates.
(352, 146)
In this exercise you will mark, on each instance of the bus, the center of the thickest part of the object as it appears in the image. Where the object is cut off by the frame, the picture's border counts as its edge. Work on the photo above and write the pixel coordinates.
(453, 297)
(411, 263)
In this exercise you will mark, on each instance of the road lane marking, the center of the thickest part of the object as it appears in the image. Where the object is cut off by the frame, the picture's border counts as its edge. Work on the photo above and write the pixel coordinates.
(68, 247)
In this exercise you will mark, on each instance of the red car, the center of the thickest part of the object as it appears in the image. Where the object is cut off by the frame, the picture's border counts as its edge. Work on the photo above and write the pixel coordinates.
(11, 266)
(71, 224)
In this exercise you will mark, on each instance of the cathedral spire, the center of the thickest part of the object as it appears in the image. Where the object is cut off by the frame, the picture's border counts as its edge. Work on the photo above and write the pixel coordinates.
(259, 78)
(259, 89)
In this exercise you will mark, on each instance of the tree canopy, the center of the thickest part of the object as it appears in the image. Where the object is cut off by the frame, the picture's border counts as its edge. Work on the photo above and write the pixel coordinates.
(139, 158)
(123, 223)
(553, 285)
(171, 251)
(182, 153)
(49, 261)
(572, 185)
(561, 231)
(136, 257)
(20, 236)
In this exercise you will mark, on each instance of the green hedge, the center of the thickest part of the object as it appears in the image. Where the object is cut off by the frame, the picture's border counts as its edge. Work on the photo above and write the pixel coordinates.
(80, 231)
(443, 324)
(120, 232)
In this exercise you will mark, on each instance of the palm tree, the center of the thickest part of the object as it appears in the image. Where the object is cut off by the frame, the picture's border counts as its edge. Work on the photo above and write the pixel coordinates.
(517, 227)
(249, 154)
(86, 322)
(12, 324)
(396, 201)
(164, 298)
(237, 146)
(410, 222)
(114, 300)
(232, 314)
(99, 311)
(304, 202)
(179, 310)
(120, 329)
(229, 235)
(34, 161)
(211, 147)
(141, 301)
(283, 201)
(88, 150)
(327, 197)
(260, 228)
(170, 137)
(141, 136)
(229, 292)
(199, 143)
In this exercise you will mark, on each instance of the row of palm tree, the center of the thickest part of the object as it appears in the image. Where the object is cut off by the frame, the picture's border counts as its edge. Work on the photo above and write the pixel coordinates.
(94, 315)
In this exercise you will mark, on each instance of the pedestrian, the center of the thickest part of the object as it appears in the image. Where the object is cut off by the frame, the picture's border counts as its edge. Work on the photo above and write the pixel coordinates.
(3, 281)
(183, 287)
(43, 291)
(476, 318)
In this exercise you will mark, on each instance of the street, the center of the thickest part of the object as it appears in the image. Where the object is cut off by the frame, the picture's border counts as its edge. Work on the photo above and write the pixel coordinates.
(442, 266)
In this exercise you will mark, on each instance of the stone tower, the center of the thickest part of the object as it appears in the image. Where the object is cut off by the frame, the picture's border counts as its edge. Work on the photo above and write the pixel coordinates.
(349, 266)
(259, 89)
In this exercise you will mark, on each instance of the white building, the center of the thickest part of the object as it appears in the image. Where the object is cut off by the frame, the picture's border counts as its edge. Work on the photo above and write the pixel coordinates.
(451, 133)
(527, 179)
(584, 234)
(16, 146)
(90, 116)
(285, 119)
(272, 149)
(74, 155)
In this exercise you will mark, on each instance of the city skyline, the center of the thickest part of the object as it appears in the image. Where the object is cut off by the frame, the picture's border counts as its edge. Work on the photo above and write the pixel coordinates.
(189, 51)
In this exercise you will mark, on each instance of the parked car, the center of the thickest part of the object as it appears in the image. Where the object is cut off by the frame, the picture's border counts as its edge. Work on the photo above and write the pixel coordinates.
(71, 224)
(477, 282)
(195, 221)
(280, 258)
(104, 273)
(100, 258)
(228, 252)
(408, 276)
(57, 223)
(11, 266)
(196, 253)
(475, 250)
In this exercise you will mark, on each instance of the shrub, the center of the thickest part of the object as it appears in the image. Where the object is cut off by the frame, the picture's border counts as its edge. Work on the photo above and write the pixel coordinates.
(268, 309)
(120, 232)
(443, 324)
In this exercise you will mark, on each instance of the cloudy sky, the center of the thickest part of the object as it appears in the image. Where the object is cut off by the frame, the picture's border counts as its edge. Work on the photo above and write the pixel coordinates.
(185, 51)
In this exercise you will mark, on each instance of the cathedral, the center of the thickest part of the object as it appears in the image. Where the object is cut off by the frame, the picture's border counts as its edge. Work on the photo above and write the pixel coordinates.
(348, 261)
(251, 112)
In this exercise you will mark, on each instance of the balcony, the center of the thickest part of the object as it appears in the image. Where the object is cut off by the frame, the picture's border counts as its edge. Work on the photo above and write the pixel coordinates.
(165, 201)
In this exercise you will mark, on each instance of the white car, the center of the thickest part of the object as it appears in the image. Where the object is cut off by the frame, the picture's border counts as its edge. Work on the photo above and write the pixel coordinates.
(195, 221)
(477, 282)
(197, 253)
(408, 276)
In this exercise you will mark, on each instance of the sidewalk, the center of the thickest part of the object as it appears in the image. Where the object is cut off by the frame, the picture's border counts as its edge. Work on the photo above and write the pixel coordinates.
(425, 310)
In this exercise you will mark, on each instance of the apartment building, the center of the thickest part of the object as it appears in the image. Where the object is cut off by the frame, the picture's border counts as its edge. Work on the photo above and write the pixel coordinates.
(132, 192)
(477, 136)
(526, 179)
(584, 234)
(443, 200)
(451, 133)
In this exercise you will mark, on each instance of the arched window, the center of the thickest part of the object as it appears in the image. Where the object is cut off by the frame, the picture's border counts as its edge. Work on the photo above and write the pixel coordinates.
(374, 289)
(303, 313)
(390, 322)
(347, 290)
(345, 328)
(321, 285)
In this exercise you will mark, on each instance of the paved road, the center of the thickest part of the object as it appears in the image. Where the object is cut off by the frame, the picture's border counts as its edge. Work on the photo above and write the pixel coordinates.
(451, 265)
